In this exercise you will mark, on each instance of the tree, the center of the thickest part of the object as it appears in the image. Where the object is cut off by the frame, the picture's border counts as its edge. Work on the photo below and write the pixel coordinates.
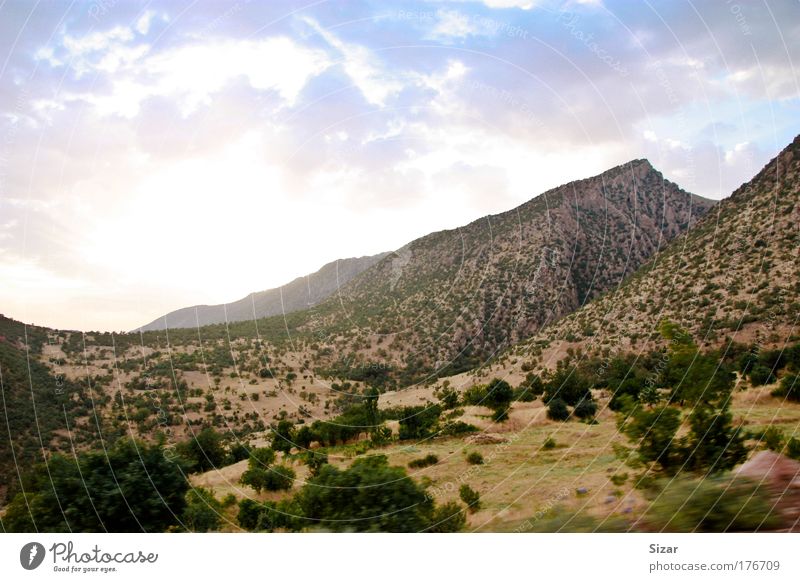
(130, 487)
(418, 422)
(283, 437)
(448, 518)
(531, 387)
(470, 497)
(557, 410)
(653, 431)
(202, 511)
(566, 384)
(448, 398)
(499, 395)
(713, 444)
(204, 451)
(790, 388)
(368, 496)
(586, 408)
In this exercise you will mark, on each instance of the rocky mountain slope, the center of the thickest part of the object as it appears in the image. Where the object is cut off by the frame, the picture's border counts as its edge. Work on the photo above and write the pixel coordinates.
(445, 302)
(301, 293)
(734, 275)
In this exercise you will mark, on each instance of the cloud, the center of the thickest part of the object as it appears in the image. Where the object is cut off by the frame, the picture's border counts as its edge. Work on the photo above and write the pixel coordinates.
(362, 67)
(451, 24)
(192, 74)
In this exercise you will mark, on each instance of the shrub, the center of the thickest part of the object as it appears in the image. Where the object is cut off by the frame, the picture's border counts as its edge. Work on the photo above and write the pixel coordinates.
(619, 479)
(418, 422)
(448, 398)
(249, 511)
(549, 443)
(475, 395)
(568, 385)
(279, 478)
(498, 397)
(315, 460)
(557, 410)
(202, 511)
(423, 462)
(773, 439)
(471, 497)
(475, 458)
(94, 491)
(711, 505)
(586, 408)
(789, 388)
(793, 449)
(376, 497)
(761, 375)
(457, 428)
(448, 518)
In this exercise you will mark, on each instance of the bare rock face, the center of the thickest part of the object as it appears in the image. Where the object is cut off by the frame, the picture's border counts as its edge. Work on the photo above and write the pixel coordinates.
(486, 438)
(781, 475)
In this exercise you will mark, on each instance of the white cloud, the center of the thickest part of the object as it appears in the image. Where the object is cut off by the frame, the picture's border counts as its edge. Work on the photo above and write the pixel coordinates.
(362, 67)
(191, 74)
(453, 24)
(144, 21)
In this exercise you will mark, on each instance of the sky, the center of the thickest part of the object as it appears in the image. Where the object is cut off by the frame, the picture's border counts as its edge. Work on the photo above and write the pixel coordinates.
(155, 155)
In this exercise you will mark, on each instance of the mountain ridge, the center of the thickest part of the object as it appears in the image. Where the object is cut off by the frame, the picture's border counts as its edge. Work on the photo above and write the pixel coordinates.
(279, 300)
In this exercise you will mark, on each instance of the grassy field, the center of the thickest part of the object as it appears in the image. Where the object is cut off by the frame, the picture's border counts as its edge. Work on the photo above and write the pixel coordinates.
(522, 483)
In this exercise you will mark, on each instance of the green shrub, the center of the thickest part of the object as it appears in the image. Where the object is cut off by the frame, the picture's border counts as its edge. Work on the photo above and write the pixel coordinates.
(423, 462)
(773, 439)
(557, 410)
(793, 449)
(418, 422)
(368, 496)
(549, 443)
(448, 518)
(202, 511)
(619, 479)
(711, 505)
(279, 478)
(789, 388)
(475, 458)
(471, 497)
(586, 408)
(761, 375)
(458, 427)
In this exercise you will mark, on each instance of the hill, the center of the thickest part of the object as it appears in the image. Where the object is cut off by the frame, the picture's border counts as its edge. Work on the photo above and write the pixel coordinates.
(735, 275)
(447, 301)
(301, 293)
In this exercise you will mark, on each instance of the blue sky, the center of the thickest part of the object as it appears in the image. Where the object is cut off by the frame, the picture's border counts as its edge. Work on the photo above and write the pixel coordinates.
(155, 155)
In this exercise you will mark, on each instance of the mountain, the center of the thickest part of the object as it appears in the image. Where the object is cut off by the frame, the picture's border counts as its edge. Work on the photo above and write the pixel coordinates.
(448, 300)
(733, 275)
(301, 293)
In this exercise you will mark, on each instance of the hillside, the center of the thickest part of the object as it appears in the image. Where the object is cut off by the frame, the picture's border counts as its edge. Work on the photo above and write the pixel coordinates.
(301, 293)
(734, 275)
(447, 301)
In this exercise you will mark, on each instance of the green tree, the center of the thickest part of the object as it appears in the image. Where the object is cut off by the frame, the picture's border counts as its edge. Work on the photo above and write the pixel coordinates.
(653, 431)
(557, 410)
(447, 518)
(470, 497)
(418, 422)
(204, 451)
(203, 511)
(567, 384)
(499, 395)
(283, 437)
(370, 495)
(130, 487)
